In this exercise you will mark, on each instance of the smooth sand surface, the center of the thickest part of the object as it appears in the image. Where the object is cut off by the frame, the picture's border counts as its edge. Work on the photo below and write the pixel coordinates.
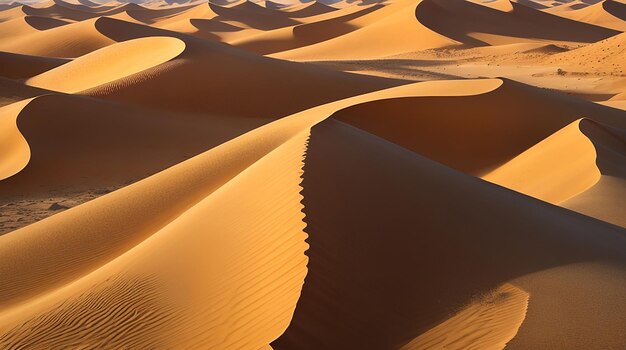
(401, 174)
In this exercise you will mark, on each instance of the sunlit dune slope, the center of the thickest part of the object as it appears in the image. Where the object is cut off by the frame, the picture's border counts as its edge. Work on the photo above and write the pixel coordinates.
(488, 129)
(581, 167)
(478, 25)
(606, 13)
(102, 66)
(317, 31)
(375, 36)
(139, 237)
(605, 200)
(12, 91)
(89, 239)
(23, 26)
(271, 88)
(606, 56)
(556, 169)
(71, 40)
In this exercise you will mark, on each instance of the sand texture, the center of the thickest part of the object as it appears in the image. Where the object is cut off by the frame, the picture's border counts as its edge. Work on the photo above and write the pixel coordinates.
(282, 174)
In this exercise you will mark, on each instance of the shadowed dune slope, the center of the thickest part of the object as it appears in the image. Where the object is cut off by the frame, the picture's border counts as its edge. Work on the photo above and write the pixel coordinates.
(70, 40)
(103, 65)
(556, 169)
(479, 25)
(79, 143)
(504, 122)
(581, 167)
(136, 211)
(309, 33)
(364, 197)
(17, 66)
(380, 27)
(252, 15)
(12, 91)
(59, 12)
(23, 26)
(215, 78)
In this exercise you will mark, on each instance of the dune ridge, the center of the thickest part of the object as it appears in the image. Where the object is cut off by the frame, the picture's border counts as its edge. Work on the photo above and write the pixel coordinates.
(95, 68)
(237, 174)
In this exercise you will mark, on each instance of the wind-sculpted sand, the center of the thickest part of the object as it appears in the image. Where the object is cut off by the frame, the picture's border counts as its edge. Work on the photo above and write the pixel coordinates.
(404, 174)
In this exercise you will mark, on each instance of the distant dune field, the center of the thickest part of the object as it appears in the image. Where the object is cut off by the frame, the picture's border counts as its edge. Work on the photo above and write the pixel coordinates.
(395, 174)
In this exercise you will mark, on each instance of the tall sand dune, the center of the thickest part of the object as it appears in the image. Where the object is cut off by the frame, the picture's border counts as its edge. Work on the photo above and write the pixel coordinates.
(427, 265)
(171, 178)
(307, 34)
(173, 200)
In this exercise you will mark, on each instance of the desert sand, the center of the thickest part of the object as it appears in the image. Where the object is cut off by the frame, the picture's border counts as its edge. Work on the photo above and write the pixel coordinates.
(397, 174)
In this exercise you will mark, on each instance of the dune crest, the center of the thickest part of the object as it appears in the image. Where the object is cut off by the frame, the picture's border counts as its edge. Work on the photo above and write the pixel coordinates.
(95, 68)
(327, 174)
(554, 170)
(13, 147)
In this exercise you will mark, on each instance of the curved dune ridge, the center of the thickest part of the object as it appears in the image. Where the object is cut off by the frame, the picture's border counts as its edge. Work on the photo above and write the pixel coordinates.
(95, 68)
(403, 174)
(607, 13)
(556, 169)
(14, 149)
(70, 40)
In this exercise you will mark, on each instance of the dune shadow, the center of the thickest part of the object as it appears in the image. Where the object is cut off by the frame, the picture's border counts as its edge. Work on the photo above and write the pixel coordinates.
(399, 242)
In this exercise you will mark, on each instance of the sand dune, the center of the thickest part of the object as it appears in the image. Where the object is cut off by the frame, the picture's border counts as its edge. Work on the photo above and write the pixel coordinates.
(95, 68)
(12, 91)
(378, 28)
(70, 40)
(556, 169)
(58, 11)
(531, 115)
(21, 26)
(469, 254)
(205, 88)
(16, 66)
(80, 143)
(430, 174)
(478, 25)
(607, 13)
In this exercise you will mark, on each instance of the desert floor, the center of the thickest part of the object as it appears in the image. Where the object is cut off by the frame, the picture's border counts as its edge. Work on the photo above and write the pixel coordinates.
(404, 174)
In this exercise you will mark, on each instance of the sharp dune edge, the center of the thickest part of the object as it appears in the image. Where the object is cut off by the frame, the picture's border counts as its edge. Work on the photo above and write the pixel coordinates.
(402, 174)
